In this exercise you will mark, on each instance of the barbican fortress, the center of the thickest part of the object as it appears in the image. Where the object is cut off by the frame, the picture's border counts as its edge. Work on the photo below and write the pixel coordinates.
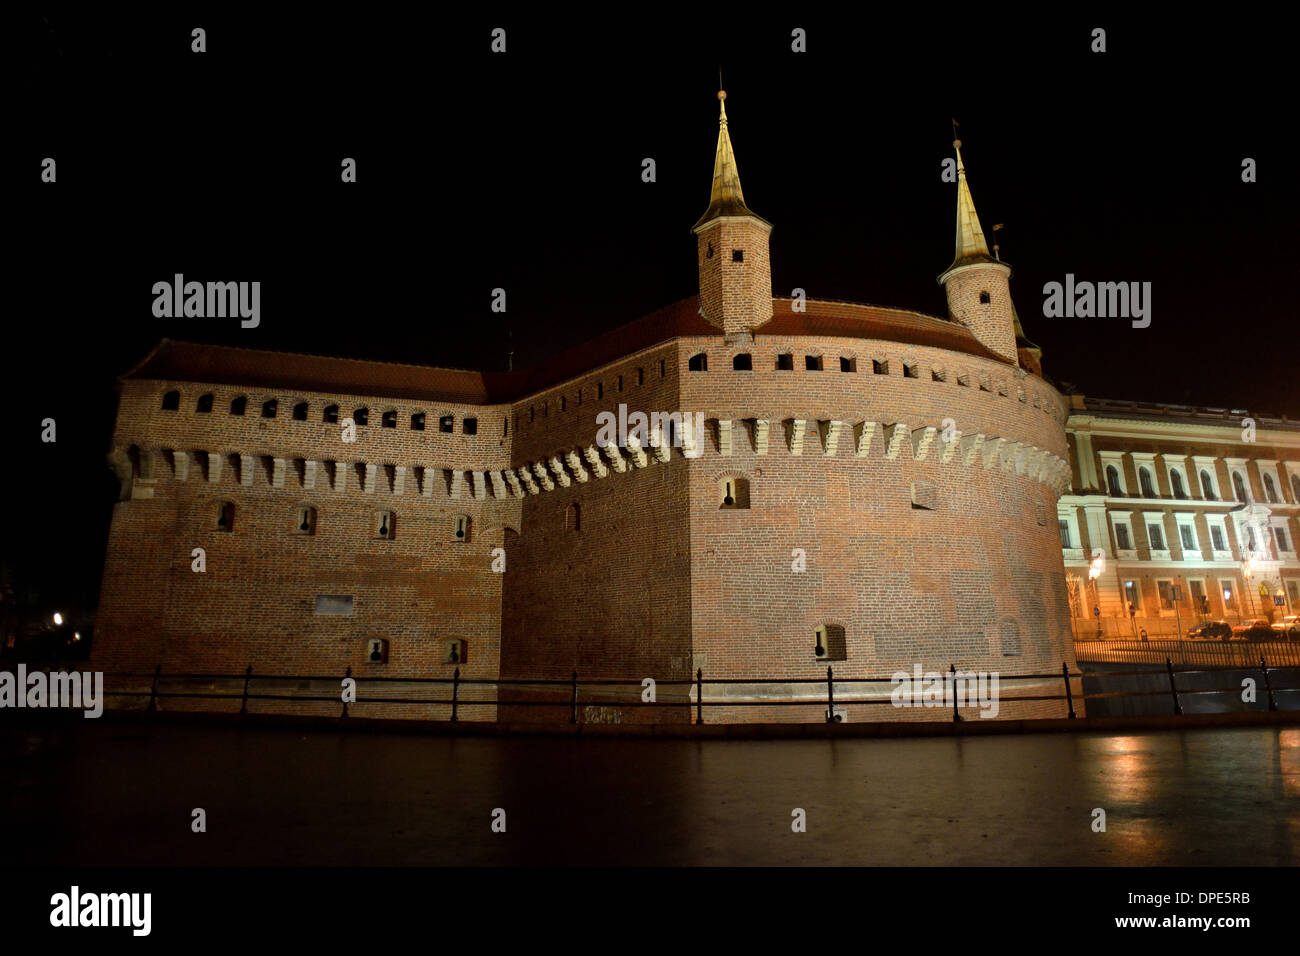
(872, 488)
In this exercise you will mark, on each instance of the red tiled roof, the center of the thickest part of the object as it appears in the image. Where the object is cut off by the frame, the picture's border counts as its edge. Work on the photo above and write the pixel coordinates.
(228, 365)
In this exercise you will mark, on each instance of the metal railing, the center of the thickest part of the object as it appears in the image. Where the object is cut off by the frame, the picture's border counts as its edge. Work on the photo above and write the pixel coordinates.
(1184, 653)
(574, 696)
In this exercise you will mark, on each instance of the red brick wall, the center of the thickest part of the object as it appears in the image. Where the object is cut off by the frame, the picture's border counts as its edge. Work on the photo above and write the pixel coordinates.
(735, 296)
(992, 323)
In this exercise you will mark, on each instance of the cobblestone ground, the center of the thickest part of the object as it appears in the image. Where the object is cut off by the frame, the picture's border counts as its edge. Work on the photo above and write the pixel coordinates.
(116, 795)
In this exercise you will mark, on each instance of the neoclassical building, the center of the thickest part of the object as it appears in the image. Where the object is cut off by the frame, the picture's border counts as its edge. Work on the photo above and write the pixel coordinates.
(1185, 513)
(800, 484)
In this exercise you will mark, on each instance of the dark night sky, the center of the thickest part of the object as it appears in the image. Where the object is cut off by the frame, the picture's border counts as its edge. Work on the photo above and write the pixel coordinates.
(523, 171)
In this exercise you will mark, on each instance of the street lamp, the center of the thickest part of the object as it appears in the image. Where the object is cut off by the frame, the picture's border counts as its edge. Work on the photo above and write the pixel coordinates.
(1095, 570)
(58, 619)
(1246, 572)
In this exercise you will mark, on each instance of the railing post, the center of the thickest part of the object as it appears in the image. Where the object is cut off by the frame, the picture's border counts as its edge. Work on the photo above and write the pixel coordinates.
(345, 703)
(1268, 686)
(573, 715)
(153, 690)
(455, 692)
(243, 702)
(1173, 688)
(830, 696)
(1069, 698)
(956, 715)
(699, 695)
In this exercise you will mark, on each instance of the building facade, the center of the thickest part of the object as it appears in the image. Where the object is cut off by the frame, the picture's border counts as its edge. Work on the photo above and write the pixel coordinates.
(751, 486)
(1177, 515)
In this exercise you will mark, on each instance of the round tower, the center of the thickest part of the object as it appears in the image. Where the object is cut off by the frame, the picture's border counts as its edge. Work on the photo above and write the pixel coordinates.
(735, 273)
(979, 293)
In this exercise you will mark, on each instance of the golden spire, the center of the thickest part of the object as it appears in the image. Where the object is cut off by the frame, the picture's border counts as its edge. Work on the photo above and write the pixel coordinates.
(971, 246)
(726, 199)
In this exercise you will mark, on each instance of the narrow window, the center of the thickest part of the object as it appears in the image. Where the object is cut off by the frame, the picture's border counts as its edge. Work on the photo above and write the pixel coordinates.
(1112, 481)
(1010, 638)
(305, 521)
(1176, 479)
(532, 414)
(812, 363)
(300, 412)
(619, 385)
(171, 401)
(600, 389)
(384, 525)
(1238, 486)
(829, 643)
(330, 415)
(733, 493)
(238, 405)
(205, 404)
(1270, 489)
(361, 417)
(469, 426)
(1065, 534)
(1144, 479)
(417, 422)
(698, 362)
(1133, 594)
(1216, 538)
(663, 368)
(225, 516)
(744, 362)
(388, 419)
(1185, 534)
(460, 528)
(640, 376)
(1279, 535)
(573, 517)
(1122, 539)
(447, 423)
(270, 407)
(1156, 534)
(564, 403)
(785, 362)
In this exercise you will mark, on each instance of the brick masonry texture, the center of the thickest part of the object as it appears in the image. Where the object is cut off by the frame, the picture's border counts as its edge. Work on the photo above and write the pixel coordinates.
(655, 580)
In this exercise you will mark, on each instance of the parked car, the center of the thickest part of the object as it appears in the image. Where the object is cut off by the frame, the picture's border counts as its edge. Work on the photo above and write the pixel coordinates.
(1254, 630)
(1210, 631)
(1288, 627)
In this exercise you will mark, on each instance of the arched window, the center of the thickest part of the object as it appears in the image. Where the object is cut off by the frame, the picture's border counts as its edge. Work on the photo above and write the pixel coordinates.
(744, 362)
(225, 517)
(330, 416)
(573, 517)
(361, 417)
(699, 362)
(1270, 489)
(1238, 486)
(1176, 479)
(388, 419)
(1144, 479)
(1112, 481)
(269, 408)
(204, 406)
(300, 412)
(733, 492)
(237, 405)
(1207, 486)
(171, 401)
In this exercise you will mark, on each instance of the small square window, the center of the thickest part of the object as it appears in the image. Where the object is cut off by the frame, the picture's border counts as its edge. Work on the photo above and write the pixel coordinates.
(470, 426)
(848, 364)
(785, 362)
(417, 422)
(813, 363)
(447, 423)
(984, 298)
(737, 255)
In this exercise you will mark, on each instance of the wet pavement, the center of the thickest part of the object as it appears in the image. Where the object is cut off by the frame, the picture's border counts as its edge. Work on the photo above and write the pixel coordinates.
(106, 794)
